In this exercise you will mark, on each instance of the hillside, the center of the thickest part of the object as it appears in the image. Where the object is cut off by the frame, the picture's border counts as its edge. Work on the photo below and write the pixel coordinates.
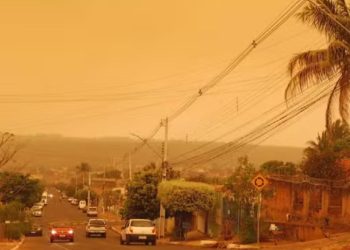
(45, 152)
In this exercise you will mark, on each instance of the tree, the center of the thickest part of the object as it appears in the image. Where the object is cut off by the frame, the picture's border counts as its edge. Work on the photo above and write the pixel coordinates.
(19, 187)
(182, 198)
(141, 199)
(279, 167)
(8, 148)
(322, 158)
(330, 63)
(185, 196)
(243, 195)
(83, 168)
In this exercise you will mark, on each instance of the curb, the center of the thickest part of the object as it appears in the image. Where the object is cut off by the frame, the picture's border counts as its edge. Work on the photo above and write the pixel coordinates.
(18, 244)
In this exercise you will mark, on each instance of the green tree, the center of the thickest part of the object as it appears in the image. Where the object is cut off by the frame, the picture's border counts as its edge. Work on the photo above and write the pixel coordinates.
(243, 196)
(331, 63)
(322, 158)
(19, 187)
(186, 196)
(182, 198)
(279, 168)
(141, 199)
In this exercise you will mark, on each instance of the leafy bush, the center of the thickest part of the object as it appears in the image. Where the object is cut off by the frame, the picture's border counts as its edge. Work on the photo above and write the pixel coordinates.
(247, 233)
(12, 212)
(15, 230)
(185, 196)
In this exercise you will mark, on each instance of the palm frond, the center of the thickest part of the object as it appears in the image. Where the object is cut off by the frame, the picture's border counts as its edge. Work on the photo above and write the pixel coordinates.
(338, 51)
(342, 8)
(323, 22)
(306, 58)
(310, 75)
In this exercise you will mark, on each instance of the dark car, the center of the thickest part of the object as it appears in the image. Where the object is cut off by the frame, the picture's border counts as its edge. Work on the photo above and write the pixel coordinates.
(34, 230)
(61, 232)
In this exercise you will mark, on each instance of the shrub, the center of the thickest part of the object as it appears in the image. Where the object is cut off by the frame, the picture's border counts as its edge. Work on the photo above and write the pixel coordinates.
(14, 231)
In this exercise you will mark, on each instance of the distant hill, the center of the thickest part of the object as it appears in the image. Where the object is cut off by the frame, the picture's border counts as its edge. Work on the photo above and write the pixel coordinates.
(57, 153)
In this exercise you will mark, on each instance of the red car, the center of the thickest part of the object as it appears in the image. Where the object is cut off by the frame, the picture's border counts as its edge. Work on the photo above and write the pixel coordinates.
(61, 233)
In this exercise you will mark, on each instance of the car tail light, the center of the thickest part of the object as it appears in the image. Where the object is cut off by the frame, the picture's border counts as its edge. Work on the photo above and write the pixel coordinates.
(53, 232)
(70, 231)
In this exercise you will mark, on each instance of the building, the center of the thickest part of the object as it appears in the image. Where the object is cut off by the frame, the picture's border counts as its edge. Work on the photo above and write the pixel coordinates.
(304, 206)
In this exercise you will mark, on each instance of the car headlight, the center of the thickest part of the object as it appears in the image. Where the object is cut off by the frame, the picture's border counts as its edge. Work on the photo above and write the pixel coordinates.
(71, 231)
(53, 231)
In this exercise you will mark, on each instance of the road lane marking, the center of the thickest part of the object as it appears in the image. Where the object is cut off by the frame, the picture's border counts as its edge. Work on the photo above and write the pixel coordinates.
(60, 246)
(18, 245)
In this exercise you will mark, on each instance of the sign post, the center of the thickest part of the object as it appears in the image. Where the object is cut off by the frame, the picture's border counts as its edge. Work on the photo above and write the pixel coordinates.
(259, 182)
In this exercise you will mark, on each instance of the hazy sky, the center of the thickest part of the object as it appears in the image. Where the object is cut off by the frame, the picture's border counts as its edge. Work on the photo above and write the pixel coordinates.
(111, 68)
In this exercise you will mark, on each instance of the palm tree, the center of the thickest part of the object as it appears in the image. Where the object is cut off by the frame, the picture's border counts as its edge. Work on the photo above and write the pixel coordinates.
(83, 168)
(328, 139)
(331, 18)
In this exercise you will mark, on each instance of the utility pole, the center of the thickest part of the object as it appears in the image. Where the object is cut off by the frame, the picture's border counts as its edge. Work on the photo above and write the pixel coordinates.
(130, 170)
(103, 190)
(258, 219)
(76, 183)
(89, 197)
(164, 176)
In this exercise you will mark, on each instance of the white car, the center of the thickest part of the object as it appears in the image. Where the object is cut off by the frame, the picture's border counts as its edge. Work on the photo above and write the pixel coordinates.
(39, 205)
(37, 212)
(96, 227)
(82, 204)
(138, 230)
(92, 212)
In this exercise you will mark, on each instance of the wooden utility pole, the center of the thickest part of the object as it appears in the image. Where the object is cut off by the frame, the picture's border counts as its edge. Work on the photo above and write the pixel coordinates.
(164, 176)
(89, 190)
(130, 168)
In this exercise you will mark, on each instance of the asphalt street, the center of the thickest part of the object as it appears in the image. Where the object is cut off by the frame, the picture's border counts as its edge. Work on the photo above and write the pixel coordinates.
(62, 211)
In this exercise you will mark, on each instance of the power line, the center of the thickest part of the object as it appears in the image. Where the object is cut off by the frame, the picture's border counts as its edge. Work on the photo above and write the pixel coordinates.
(289, 11)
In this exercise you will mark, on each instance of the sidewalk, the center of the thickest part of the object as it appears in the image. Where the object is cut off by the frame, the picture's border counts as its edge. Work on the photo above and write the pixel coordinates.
(336, 242)
(4, 245)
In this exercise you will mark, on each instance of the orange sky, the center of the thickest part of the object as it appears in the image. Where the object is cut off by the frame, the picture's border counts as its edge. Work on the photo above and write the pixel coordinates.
(110, 68)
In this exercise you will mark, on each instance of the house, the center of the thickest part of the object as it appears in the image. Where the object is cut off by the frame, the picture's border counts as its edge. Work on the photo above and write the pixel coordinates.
(303, 205)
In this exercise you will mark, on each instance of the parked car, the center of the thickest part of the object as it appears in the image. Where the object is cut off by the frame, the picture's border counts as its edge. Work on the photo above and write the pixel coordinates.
(37, 212)
(34, 230)
(92, 211)
(82, 204)
(96, 227)
(39, 205)
(138, 230)
(74, 202)
(61, 232)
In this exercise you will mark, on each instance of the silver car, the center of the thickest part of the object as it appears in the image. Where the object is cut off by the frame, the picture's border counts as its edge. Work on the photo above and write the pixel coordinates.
(96, 227)
(92, 212)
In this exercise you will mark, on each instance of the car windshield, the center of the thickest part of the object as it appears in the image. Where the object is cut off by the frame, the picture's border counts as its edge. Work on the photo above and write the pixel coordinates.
(141, 223)
(97, 222)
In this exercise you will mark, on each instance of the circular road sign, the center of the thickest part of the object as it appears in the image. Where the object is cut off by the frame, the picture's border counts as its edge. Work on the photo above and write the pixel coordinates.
(259, 182)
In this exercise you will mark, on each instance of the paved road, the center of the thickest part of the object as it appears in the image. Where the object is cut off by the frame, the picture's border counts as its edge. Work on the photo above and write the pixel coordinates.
(57, 211)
